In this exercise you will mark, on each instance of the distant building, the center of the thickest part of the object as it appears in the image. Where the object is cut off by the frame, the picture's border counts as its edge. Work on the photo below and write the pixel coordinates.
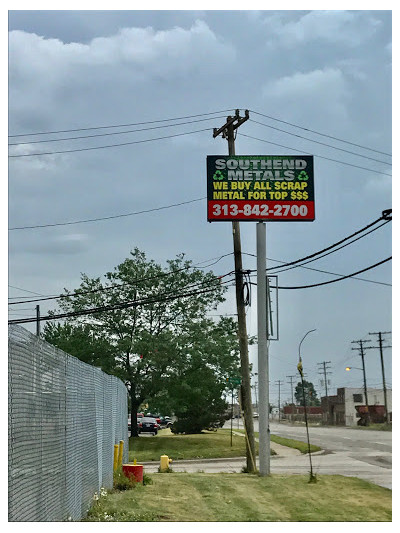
(341, 409)
(295, 413)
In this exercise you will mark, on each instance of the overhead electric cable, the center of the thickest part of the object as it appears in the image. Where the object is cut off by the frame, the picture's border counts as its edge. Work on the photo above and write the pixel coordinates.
(319, 252)
(110, 145)
(109, 217)
(122, 285)
(336, 280)
(121, 125)
(115, 307)
(321, 143)
(319, 133)
(332, 251)
(326, 271)
(315, 155)
(24, 290)
(113, 133)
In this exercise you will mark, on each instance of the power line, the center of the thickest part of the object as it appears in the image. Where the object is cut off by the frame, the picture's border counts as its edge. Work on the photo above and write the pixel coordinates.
(322, 134)
(336, 243)
(326, 271)
(113, 133)
(109, 217)
(336, 280)
(194, 116)
(115, 307)
(321, 143)
(110, 145)
(120, 125)
(332, 251)
(122, 285)
(25, 290)
(315, 155)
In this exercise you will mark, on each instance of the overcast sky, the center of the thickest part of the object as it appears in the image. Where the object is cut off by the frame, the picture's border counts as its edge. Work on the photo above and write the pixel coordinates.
(322, 71)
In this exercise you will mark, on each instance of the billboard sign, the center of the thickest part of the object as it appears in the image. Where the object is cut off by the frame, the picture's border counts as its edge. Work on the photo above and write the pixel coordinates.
(260, 187)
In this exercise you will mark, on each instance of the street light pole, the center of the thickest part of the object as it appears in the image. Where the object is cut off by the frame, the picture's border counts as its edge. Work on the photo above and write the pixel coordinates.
(313, 478)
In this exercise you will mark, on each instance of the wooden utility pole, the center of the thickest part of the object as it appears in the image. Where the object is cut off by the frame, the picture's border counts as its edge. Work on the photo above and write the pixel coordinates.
(361, 350)
(324, 372)
(279, 398)
(381, 347)
(291, 387)
(227, 130)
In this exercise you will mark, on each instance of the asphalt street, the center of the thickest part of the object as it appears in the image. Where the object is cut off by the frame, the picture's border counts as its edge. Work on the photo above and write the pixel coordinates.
(361, 453)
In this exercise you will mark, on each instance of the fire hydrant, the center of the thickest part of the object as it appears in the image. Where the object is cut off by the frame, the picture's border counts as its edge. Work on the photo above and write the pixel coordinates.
(165, 461)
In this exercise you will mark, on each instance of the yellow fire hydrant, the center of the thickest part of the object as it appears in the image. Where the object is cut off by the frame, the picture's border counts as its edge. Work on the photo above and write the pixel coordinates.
(165, 461)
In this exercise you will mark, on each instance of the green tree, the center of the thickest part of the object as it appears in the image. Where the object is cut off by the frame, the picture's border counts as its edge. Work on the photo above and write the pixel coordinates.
(310, 394)
(208, 353)
(80, 341)
(155, 323)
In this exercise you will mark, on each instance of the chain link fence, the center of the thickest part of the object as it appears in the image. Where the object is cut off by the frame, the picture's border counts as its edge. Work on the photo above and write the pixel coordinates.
(64, 417)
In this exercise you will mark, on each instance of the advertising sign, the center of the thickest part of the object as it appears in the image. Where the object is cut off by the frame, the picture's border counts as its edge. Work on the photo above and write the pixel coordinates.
(260, 187)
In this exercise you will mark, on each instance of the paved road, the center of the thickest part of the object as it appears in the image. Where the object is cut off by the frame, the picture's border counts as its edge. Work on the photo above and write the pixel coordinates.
(368, 451)
(349, 452)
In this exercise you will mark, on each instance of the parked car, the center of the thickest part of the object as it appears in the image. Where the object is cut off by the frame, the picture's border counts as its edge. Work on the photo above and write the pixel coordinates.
(165, 421)
(148, 424)
(157, 417)
(139, 416)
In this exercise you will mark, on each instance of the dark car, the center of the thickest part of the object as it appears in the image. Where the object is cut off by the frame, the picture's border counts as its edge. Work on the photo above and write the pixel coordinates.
(148, 425)
(158, 420)
(165, 421)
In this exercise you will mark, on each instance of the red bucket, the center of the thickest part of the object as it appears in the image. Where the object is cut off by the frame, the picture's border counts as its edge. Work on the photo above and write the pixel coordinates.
(134, 472)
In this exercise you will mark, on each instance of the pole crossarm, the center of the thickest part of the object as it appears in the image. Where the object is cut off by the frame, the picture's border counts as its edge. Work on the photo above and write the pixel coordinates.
(230, 123)
(361, 349)
(381, 348)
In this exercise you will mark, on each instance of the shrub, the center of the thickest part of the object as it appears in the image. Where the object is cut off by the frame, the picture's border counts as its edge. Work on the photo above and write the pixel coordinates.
(123, 482)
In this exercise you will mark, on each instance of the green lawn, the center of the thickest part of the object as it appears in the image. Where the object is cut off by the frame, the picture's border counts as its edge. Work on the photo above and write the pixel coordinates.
(209, 444)
(376, 427)
(200, 497)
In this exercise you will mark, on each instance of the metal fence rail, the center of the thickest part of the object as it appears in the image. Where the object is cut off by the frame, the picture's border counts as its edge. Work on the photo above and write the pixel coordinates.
(64, 417)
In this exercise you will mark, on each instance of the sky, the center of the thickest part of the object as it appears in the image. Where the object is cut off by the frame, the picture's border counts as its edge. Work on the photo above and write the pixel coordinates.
(314, 82)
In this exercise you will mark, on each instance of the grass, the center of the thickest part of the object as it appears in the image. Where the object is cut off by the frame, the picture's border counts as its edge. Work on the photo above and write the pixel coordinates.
(290, 443)
(207, 445)
(200, 497)
(376, 427)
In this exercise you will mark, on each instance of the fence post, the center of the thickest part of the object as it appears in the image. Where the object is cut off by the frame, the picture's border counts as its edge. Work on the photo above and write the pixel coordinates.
(120, 453)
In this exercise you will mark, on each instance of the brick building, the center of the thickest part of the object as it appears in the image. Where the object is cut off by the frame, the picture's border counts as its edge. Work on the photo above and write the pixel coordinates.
(341, 409)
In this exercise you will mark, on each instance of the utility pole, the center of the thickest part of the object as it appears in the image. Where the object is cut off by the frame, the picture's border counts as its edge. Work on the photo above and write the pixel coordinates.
(361, 350)
(227, 130)
(381, 347)
(38, 320)
(279, 398)
(324, 372)
(291, 387)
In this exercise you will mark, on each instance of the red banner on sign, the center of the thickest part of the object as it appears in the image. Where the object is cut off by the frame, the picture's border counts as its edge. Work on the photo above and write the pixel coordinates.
(262, 210)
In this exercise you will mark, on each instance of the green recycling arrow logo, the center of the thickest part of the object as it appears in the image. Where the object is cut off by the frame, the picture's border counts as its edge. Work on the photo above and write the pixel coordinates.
(302, 176)
(218, 175)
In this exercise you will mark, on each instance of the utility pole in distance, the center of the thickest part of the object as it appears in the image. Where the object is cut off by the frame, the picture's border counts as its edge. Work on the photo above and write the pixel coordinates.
(227, 130)
(381, 347)
(291, 387)
(324, 372)
(278, 382)
(361, 350)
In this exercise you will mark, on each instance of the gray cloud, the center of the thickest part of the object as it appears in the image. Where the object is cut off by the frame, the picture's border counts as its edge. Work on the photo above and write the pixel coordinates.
(328, 71)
